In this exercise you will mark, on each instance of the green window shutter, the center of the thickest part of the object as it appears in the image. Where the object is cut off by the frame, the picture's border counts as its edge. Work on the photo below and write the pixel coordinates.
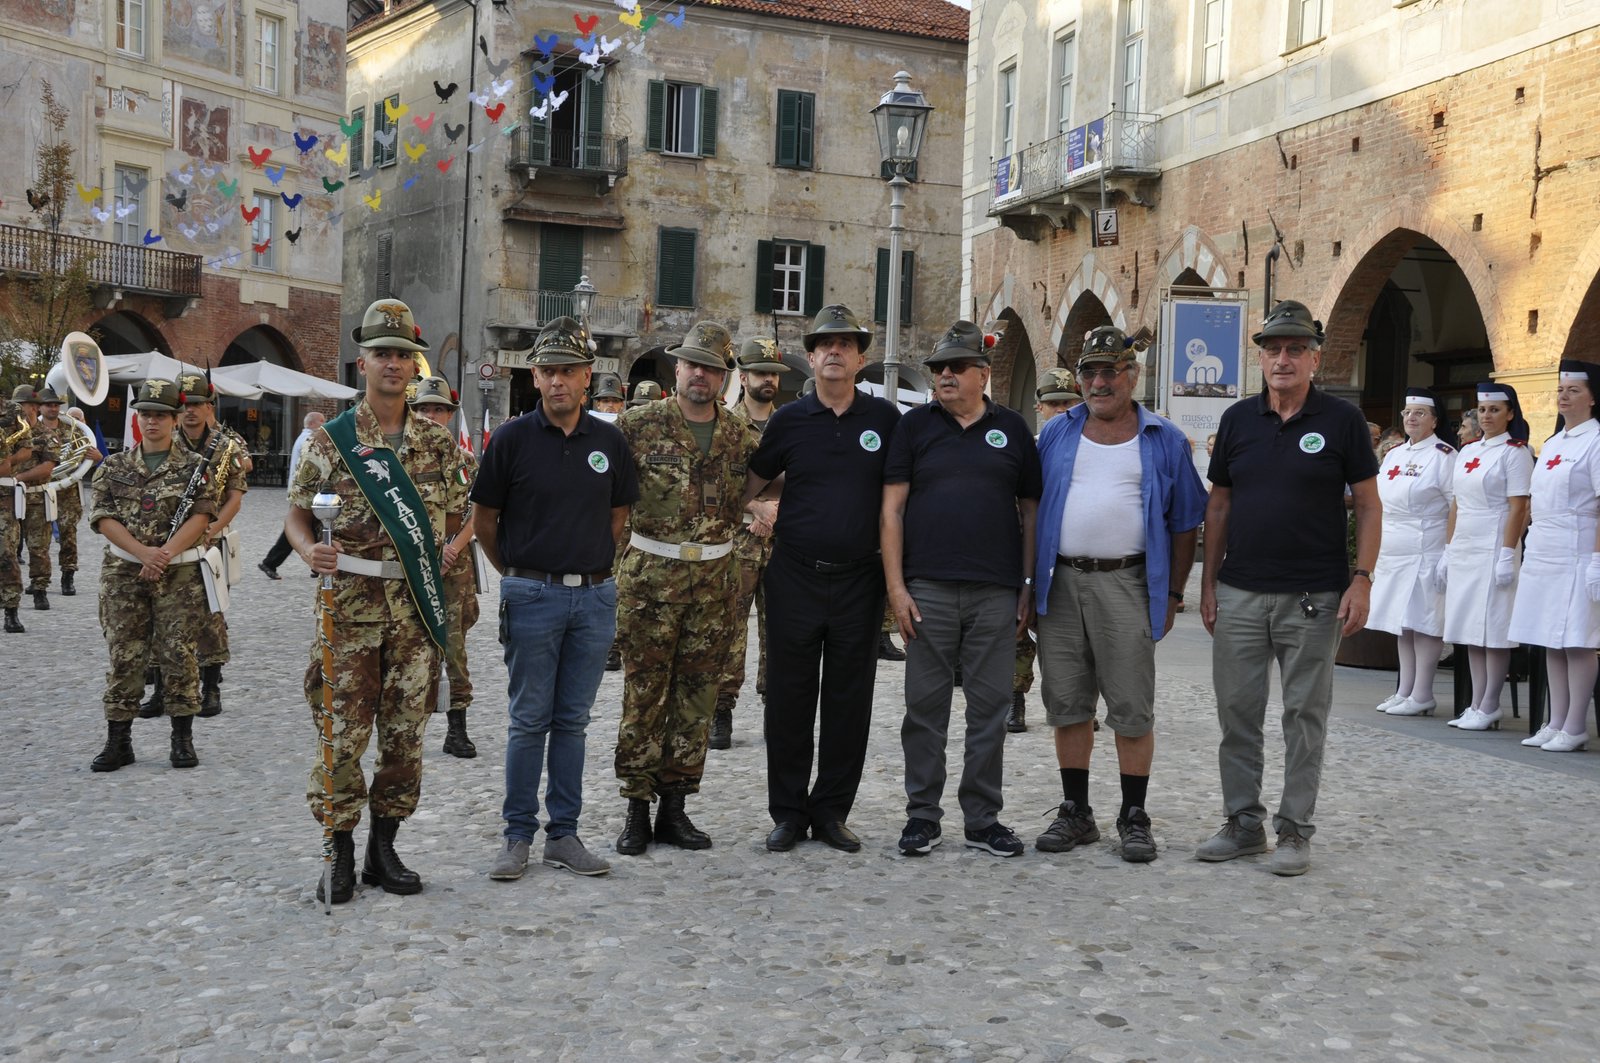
(764, 276)
(907, 263)
(359, 141)
(816, 255)
(538, 142)
(805, 106)
(880, 292)
(708, 122)
(594, 110)
(560, 257)
(381, 289)
(655, 116)
(788, 128)
(675, 267)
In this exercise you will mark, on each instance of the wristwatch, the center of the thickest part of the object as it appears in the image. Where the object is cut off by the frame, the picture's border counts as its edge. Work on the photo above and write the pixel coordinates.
(1361, 572)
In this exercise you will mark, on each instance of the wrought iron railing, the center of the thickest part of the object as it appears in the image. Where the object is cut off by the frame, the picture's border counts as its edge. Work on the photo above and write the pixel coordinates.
(530, 309)
(537, 145)
(126, 266)
(1123, 142)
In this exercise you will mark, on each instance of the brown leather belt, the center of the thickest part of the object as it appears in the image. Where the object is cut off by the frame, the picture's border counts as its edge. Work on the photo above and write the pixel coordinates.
(564, 579)
(1099, 564)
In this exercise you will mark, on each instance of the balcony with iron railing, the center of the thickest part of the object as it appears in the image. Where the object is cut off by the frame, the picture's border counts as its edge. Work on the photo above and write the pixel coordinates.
(529, 310)
(107, 266)
(1120, 145)
(535, 146)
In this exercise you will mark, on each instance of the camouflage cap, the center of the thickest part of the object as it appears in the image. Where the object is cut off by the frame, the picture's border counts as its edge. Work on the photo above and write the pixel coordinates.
(962, 341)
(46, 397)
(1107, 344)
(24, 393)
(562, 341)
(761, 355)
(388, 323)
(1059, 386)
(645, 391)
(433, 391)
(608, 386)
(707, 344)
(1290, 318)
(158, 396)
(835, 319)
(196, 389)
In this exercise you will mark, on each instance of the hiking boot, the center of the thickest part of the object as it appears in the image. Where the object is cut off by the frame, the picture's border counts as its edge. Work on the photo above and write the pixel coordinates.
(1138, 844)
(673, 826)
(568, 853)
(456, 742)
(722, 723)
(183, 754)
(118, 749)
(919, 837)
(887, 650)
(1073, 827)
(382, 866)
(1017, 720)
(1232, 841)
(511, 861)
(635, 836)
(1292, 856)
(996, 838)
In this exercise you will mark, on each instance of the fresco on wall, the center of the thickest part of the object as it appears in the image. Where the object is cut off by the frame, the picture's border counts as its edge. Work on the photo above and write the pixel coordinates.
(42, 14)
(197, 30)
(205, 131)
(322, 58)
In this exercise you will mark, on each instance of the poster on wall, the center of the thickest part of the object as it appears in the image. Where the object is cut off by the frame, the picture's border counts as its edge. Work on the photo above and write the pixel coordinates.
(1085, 149)
(1203, 360)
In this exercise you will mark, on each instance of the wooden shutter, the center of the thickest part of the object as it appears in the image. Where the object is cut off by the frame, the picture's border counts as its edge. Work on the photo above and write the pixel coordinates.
(592, 156)
(816, 255)
(764, 276)
(675, 268)
(907, 262)
(788, 128)
(359, 141)
(805, 107)
(560, 257)
(385, 260)
(708, 122)
(655, 120)
(880, 291)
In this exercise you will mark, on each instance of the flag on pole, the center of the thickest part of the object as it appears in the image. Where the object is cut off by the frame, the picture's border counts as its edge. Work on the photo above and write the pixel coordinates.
(463, 439)
(486, 428)
(130, 424)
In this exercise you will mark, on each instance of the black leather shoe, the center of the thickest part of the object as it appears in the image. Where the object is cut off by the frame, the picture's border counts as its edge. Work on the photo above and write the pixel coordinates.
(1017, 720)
(41, 601)
(183, 754)
(157, 704)
(118, 750)
(614, 659)
(837, 835)
(887, 650)
(272, 573)
(344, 867)
(14, 623)
(722, 725)
(382, 866)
(68, 588)
(784, 836)
(674, 827)
(456, 742)
(635, 836)
(210, 690)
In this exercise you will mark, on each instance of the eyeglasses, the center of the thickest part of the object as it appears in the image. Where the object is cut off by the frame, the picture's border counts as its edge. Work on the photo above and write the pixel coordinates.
(957, 367)
(1293, 350)
(1091, 374)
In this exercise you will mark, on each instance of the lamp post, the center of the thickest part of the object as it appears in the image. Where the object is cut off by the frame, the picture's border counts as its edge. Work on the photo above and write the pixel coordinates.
(902, 120)
(583, 294)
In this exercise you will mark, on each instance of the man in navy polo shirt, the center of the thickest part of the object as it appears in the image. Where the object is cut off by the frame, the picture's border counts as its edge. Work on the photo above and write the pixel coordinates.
(549, 503)
(1276, 582)
(824, 584)
(960, 491)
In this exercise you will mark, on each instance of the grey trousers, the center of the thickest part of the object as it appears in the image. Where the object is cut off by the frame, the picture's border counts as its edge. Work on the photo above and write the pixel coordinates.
(1253, 629)
(975, 625)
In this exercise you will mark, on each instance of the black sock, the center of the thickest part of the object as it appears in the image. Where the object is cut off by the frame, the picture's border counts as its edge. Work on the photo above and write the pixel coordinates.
(1075, 785)
(1134, 788)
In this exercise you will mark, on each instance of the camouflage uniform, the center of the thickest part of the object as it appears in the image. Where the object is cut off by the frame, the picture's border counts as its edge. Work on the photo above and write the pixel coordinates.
(1022, 678)
(69, 500)
(227, 474)
(143, 620)
(753, 552)
(388, 667)
(676, 617)
(10, 526)
(461, 597)
(35, 527)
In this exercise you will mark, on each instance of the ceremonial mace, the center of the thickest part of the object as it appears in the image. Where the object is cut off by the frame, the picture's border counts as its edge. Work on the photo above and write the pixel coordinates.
(325, 507)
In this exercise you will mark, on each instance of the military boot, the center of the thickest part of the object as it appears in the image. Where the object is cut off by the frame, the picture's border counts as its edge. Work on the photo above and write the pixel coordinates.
(210, 690)
(14, 622)
(158, 699)
(887, 650)
(343, 874)
(614, 658)
(673, 826)
(67, 587)
(456, 742)
(183, 755)
(1017, 719)
(722, 723)
(119, 746)
(41, 601)
(383, 866)
(635, 836)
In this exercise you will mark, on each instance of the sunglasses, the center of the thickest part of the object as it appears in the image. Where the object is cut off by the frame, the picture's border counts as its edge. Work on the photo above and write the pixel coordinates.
(957, 367)
(1106, 373)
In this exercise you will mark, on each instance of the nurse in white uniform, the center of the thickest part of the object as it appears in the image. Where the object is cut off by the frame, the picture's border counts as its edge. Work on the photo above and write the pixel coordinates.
(1414, 484)
(1479, 568)
(1558, 593)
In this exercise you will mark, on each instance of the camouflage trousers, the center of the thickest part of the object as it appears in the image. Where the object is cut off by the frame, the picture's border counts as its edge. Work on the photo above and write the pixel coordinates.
(752, 563)
(385, 675)
(1022, 679)
(69, 514)
(673, 656)
(461, 599)
(36, 533)
(150, 621)
(10, 571)
(213, 647)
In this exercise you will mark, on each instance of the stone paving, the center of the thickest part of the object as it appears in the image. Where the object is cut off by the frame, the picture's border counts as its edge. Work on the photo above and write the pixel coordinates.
(168, 915)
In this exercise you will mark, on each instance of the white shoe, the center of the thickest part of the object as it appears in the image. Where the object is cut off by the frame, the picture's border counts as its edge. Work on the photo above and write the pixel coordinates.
(1565, 743)
(1413, 707)
(1478, 720)
(1543, 735)
(1389, 702)
(1465, 718)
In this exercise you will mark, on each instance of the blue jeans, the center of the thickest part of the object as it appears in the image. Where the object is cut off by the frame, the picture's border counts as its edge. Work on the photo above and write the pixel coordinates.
(556, 640)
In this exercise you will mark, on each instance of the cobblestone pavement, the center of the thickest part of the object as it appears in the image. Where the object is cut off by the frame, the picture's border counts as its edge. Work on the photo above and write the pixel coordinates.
(160, 914)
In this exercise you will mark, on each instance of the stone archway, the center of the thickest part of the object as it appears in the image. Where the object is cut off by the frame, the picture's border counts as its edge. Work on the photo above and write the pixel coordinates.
(1193, 253)
(1095, 284)
(128, 332)
(1578, 312)
(270, 423)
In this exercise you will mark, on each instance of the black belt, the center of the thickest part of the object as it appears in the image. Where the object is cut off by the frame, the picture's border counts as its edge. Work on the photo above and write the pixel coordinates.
(1099, 564)
(565, 580)
(836, 568)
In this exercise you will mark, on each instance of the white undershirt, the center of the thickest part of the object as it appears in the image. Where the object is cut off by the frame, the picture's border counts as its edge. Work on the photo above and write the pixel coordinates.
(1104, 513)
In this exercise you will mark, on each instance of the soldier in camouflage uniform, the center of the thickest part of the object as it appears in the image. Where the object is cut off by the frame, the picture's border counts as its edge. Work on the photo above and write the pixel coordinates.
(69, 498)
(438, 402)
(30, 460)
(677, 586)
(760, 364)
(388, 663)
(31, 472)
(152, 599)
(644, 392)
(608, 396)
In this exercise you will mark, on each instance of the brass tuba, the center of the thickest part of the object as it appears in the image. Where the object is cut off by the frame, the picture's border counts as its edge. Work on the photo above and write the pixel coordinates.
(80, 371)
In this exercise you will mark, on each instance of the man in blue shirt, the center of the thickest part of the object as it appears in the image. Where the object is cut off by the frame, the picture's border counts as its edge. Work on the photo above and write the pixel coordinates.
(1116, 537)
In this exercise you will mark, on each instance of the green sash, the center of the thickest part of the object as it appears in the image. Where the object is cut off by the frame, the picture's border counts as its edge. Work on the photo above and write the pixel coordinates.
(394, 498)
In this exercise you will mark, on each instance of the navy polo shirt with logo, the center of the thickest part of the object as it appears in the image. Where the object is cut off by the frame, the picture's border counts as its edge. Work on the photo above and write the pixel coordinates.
(832, 470)
(555, 492)
(961, 521)
(1286, 520)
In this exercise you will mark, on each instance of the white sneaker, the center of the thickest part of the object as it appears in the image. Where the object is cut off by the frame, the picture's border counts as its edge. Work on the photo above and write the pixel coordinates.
(1389, 702)
(1565, 743)
(1543, 735)
(1478, 720)
(1413, 707)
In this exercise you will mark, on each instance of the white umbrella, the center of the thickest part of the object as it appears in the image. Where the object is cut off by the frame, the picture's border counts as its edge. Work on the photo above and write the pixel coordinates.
(135, 369)
(278, 380)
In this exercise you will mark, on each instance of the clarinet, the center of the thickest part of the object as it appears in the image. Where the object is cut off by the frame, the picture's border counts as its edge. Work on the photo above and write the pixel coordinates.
(186, 503)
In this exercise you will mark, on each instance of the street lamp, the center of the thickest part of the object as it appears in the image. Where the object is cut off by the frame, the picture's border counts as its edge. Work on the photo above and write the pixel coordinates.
(583, 294)
(902, 120)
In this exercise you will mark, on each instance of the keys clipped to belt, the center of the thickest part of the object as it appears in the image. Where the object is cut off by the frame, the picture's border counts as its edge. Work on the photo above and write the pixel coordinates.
(505, 625)
(1308, 608)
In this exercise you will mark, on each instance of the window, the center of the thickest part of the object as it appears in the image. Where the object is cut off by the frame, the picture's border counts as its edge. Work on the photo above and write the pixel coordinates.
(795, 114)
(130, 26)
(789, 277)
(1132, 54)
(675, 267)
(265, 51)
(880, 301)
(681, 119)
(560, 257)
(261, 233)
(383, 288)
(1066, 70)
(127, 226)
(1305, 22)
(359, 141)
(385, 133)
(1209, 18)
(1008, 111)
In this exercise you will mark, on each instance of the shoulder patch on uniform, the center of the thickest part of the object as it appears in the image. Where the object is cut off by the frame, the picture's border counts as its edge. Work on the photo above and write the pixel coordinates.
(1516, 442)
(1446, 447)
(428, 477)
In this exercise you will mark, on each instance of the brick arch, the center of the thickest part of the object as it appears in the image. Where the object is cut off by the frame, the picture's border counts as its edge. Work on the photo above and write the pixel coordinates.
(1577, 315)
(1012, 351)
(1089, 280)
(1372, 256)
(1193, 250)
(130, 329)
(1085, 313)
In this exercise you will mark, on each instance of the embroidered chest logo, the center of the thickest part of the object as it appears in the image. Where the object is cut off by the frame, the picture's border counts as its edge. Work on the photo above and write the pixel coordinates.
(995, 438)
(598, 461)
(378, 469)
(871, 441)
(1553, 462)
(1413, 469)
(1473, 464)
(1312, 443)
